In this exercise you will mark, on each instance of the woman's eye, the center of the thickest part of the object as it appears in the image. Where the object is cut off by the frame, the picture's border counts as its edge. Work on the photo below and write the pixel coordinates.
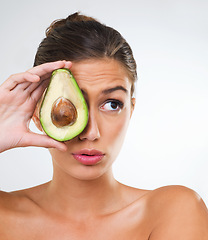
(112, 105)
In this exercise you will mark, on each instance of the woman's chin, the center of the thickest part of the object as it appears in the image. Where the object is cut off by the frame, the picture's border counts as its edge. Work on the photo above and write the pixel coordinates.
(89, 172)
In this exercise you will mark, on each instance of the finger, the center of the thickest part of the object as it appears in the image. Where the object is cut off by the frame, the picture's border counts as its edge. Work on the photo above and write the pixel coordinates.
(38, 140)
(23, 86)
(47, 68)
(19, 78)
(39, 90)
(32, 87)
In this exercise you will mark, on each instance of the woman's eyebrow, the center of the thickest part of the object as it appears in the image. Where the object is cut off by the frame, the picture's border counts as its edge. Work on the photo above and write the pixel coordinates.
(110, 90)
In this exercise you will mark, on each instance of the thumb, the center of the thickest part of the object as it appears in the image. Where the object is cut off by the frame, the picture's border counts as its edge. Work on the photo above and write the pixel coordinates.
(39, 140)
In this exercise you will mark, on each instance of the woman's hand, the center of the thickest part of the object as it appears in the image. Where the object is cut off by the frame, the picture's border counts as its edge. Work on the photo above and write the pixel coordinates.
(19, 95)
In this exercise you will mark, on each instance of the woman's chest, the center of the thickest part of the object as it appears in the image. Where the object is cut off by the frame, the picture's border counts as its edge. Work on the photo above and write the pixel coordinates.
(112, 227)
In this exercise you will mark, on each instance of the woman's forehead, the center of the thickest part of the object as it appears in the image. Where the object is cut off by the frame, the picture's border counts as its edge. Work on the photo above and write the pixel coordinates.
(100, 74)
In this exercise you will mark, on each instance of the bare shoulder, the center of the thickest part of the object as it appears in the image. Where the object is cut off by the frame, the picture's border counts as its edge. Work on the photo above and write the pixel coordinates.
(19, 201)
(174, 194)
(178, 213)
(11, 207)
(14, 201)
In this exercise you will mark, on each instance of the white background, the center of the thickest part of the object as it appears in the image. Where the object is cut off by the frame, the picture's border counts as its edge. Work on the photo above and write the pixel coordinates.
(168, 135)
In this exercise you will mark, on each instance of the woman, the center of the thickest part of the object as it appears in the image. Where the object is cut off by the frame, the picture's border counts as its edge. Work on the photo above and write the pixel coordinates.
(83, 200)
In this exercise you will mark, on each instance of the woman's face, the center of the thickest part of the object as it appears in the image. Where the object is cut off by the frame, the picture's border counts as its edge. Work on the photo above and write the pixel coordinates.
(107, 91)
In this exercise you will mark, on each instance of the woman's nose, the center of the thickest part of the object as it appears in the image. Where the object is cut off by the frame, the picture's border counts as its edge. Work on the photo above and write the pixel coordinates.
(91, 132)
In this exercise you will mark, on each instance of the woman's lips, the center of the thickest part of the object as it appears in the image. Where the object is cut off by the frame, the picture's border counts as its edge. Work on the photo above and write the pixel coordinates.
(88, 156)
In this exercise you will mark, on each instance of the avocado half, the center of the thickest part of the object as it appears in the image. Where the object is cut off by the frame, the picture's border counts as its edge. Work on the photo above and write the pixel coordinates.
(63, 112)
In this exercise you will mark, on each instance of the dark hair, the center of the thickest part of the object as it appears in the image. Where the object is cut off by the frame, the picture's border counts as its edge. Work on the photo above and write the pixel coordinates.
(79, 37)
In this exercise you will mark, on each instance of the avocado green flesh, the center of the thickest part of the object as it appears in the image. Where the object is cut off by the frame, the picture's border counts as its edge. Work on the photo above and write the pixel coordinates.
(63, 84)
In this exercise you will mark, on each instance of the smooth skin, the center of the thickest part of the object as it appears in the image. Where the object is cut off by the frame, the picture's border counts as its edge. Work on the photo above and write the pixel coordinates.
(86, 202)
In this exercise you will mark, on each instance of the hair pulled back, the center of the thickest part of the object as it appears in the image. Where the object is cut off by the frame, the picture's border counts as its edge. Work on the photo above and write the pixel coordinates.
(80, 37)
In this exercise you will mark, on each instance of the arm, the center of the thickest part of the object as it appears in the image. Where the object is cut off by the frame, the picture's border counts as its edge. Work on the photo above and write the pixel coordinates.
(19, 95)
(183, 217)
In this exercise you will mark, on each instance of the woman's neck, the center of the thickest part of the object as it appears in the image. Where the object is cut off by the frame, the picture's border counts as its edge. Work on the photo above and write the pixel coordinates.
(75, 197)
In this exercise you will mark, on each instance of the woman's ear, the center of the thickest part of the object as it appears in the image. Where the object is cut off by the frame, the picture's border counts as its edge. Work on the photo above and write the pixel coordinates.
(133, 102)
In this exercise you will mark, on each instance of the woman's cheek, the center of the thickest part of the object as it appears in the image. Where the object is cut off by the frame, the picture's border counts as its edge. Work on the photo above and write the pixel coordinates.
(117, 128)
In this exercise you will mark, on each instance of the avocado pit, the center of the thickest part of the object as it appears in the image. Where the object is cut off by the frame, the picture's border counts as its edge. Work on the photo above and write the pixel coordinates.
(63, 112)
